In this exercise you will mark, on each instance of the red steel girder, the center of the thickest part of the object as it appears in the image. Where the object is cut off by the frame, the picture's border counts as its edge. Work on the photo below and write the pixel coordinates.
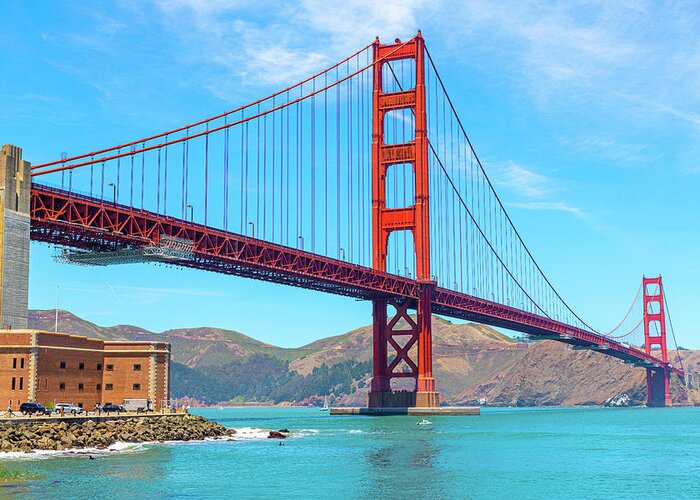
(68, 219)
(73, 220)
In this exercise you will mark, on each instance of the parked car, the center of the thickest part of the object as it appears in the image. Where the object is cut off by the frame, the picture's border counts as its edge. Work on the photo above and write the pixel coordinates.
(110, 407)
(31, 408)
(68, 408)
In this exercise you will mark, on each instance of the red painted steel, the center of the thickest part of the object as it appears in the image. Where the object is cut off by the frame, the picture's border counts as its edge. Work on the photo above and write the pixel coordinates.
(68, 219)
(415, 218)
(71, 220)
(658, 379)
(77, 221)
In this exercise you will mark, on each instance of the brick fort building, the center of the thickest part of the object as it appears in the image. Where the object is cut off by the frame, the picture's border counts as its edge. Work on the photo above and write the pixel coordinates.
(51, 368)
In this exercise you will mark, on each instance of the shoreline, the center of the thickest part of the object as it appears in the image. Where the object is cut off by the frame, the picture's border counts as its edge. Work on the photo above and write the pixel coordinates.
(100, 433)
(118, 447)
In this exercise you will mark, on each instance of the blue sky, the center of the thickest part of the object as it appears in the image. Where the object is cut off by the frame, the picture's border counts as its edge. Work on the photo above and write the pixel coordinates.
(584, 114)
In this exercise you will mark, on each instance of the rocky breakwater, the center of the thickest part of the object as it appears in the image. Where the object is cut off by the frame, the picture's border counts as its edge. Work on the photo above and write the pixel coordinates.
(62, 435)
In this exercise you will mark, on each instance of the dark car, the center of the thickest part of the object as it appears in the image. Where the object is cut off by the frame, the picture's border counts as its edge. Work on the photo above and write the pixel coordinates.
(30, 408)
(109, 407)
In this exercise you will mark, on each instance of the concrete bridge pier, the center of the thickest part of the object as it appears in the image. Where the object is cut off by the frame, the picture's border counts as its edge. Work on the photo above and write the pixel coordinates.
(15, 190)
(658, 387)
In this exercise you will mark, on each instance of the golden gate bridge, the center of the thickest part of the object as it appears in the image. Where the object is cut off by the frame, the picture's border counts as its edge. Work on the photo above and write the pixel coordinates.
(361, 181)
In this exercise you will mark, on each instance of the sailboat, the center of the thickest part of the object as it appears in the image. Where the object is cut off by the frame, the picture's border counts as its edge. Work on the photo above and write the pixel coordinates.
(325, 404)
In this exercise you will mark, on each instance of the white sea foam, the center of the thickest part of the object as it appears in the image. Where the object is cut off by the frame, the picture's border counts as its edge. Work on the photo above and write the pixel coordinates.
(307, 431)
(251, 433)
(71, 452)
(242, 433)
(355, 431)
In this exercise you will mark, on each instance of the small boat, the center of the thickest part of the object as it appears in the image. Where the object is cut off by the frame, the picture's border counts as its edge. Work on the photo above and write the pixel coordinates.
(325, 404)
(424, 422)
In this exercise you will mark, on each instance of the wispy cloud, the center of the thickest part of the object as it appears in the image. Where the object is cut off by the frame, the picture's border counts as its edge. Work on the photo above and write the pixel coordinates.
(603, 147)
(556, 206)
(288, 44)
(523, 181)
(628, 71)
(530, 190)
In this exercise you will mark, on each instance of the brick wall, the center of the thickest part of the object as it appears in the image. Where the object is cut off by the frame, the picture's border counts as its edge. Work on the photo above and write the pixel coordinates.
(61, 368)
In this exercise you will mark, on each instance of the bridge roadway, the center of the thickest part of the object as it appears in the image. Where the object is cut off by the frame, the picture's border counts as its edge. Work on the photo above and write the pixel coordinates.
(72, 220)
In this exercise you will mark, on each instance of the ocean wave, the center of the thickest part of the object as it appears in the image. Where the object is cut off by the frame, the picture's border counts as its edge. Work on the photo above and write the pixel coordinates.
(251, 433)
(119, 447)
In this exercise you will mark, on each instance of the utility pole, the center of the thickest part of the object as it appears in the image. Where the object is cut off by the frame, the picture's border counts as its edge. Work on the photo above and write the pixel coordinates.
(58, 289)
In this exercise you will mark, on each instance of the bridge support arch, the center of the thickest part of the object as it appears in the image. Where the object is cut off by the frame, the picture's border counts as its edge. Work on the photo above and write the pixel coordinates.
(15, 190)
(658, 379)
(395, 337)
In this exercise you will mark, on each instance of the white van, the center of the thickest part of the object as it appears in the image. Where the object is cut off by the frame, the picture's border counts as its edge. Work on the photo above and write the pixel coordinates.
(137, 405)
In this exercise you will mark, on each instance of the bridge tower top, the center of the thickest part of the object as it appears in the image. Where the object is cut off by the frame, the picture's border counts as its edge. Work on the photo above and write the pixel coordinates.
(414, 152)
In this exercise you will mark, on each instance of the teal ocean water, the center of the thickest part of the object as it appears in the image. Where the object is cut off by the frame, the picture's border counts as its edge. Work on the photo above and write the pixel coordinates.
(504, 453)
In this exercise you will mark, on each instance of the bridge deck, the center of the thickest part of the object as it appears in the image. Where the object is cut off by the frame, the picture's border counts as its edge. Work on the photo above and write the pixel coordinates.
(72, 220)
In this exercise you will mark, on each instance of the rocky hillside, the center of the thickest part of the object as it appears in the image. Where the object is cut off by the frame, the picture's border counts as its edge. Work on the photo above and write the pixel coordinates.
(471, 362)
(192, 347)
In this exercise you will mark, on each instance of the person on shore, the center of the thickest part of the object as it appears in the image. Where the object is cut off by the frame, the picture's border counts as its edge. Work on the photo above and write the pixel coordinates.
(9, 412)
(98, 408)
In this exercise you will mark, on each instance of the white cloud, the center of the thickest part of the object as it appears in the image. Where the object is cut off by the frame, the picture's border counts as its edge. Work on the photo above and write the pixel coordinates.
(556, 206)
(529, 190)
(639, 58)
(238, 47)
(523, 181)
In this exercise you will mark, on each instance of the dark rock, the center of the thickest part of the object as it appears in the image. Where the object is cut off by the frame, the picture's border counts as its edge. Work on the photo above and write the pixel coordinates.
(276, 435)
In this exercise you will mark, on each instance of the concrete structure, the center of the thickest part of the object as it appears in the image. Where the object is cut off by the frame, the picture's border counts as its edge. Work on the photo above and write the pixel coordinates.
(414, 411)
(59, 368)
(15, 189)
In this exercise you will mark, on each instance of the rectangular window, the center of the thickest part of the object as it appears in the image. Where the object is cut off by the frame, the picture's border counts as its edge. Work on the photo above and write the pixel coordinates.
(137, 368)
(137, 387)
(99, 366)
(14, 363)
(98, 387)
(14, 381)
(46, 384)
(62, 365)
(62, 386)
(21, 383)
(110, 368)
(21, 363)
(108, 387)
(81, 366)
(81, 387)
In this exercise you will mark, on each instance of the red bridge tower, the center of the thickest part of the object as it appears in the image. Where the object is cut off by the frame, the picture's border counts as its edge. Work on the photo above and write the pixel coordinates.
(655, 337)
(401, 333)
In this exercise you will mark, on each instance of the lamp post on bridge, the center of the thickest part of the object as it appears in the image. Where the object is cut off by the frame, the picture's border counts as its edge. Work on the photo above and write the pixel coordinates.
(191, 212)
(301, 238)
(114, 192)
(252, 229)
(342, 252)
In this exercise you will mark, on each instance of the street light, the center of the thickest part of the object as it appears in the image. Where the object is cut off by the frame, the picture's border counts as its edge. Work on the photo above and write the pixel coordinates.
(252, 229)
(114, 192)
(342, 250)
(191, 212)
(302, 242)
